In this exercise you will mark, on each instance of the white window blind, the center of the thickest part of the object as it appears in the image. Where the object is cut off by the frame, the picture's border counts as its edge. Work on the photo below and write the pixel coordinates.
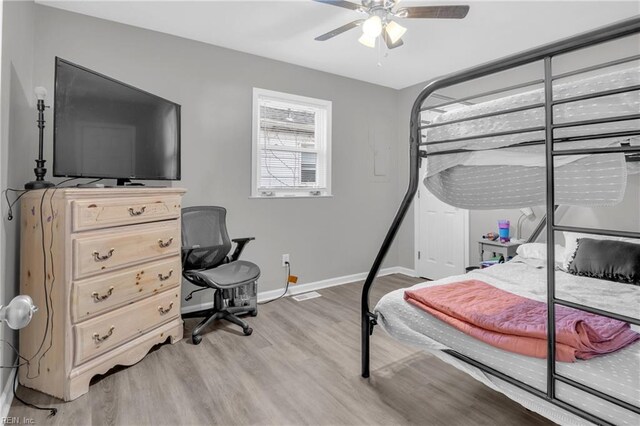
(291, 146)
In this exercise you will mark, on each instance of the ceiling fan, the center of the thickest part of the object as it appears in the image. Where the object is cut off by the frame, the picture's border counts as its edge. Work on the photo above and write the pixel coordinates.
(381, 19)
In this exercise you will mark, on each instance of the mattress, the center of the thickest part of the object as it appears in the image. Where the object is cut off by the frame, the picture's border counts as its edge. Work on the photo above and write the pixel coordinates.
(487, 179)
(616, 374)
(615, 105)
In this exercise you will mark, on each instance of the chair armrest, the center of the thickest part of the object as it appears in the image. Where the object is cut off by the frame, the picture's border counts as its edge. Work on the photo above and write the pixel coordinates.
(240, 243)
(245, 239)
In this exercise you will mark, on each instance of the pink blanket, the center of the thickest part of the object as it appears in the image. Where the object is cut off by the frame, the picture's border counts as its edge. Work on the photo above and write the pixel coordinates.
(518, 324)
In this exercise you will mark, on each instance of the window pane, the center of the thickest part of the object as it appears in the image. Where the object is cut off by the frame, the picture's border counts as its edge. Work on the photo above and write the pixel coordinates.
(286, 169)
(308, 162)
(289, 127)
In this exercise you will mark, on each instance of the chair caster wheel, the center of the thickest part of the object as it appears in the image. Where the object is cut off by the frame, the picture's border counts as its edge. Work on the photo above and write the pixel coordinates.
(254, 313)
(196, 339)
(247, 331)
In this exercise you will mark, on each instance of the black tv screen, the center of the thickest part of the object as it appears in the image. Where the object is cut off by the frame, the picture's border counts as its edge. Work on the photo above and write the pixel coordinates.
(104, 128)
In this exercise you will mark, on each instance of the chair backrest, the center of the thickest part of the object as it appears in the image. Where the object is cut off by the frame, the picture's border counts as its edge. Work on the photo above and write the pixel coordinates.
(204, 230)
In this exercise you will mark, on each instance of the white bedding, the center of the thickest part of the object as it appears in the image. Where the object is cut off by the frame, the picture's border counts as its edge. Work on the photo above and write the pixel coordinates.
(489, 179)
(606, 106)
(616, 374)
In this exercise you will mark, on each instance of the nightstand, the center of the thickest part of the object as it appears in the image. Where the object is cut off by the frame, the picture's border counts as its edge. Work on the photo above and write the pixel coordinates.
(496, 247)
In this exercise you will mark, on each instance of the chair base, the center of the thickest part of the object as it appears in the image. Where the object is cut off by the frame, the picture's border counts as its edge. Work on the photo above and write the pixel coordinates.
(218, 313)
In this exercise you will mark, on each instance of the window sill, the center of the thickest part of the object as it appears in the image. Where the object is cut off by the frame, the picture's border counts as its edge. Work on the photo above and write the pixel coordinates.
(288, 196)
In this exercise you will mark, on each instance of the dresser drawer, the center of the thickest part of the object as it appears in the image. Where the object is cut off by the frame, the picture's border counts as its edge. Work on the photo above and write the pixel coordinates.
(102, 213)
(106, 292)
(102, 252)
(96, 336)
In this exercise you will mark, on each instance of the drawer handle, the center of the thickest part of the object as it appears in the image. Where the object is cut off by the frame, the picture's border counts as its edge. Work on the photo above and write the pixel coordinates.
(163, 244)
(165, 311)
(101, 258)
(133, 212)
(165, 277)
(99, 339)
(98, 298)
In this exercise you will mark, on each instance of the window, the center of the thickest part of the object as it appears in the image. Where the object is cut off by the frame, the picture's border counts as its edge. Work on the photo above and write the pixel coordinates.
(291, 145)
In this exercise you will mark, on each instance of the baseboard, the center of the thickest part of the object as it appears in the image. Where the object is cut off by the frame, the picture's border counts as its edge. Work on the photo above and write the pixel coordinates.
(404, 271)
(7, 396)
(331, 282)
(316, 285)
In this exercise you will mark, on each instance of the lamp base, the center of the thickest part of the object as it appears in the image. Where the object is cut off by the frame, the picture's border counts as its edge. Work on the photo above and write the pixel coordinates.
(40, 171)
(38, 184)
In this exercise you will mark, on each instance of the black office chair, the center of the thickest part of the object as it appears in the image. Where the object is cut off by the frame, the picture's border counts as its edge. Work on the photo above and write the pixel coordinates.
(206, 263)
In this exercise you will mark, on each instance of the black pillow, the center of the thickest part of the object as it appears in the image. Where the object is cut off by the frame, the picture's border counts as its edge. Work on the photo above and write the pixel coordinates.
(608, 260)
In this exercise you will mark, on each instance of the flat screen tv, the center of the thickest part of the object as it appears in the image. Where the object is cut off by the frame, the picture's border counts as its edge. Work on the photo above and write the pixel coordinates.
(104, 128)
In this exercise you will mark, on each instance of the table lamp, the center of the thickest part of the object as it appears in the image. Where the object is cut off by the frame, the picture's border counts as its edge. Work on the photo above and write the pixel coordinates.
(526, 213)
(40, 170)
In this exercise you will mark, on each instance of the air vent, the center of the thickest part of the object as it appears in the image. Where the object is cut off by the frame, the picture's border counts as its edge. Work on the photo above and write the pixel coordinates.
(306, 296)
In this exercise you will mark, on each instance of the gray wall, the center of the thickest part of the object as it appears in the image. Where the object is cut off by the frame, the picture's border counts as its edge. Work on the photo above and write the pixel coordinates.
(326, 237)
(18, 142)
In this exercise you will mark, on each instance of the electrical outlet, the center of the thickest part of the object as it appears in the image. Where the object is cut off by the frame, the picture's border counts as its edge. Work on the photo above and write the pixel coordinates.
(285, 259)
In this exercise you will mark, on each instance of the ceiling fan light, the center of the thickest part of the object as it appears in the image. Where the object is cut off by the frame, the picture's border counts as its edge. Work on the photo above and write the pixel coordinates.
(367, 40)
(395, 31)
(372, 27)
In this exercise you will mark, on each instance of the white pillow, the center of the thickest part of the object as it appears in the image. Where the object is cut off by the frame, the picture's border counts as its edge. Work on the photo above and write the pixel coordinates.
(539, 251)
(571, 244)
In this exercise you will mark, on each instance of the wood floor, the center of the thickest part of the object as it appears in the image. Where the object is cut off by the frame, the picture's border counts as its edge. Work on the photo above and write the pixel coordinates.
(300, 366)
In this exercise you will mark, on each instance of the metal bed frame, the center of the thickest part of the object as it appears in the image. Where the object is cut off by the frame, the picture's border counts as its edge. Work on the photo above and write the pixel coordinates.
(544, 53)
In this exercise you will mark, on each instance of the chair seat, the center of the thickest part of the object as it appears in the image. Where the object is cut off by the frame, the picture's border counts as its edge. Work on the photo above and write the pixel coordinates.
(230, 275)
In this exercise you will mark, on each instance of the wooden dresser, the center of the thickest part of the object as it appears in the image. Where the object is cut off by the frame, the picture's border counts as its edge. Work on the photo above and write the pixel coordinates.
(109, 266)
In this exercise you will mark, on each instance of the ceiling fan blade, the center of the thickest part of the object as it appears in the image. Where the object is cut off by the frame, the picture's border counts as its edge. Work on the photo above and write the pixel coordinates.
(388, 42)
(340, 30)
(434, 12)
(341, 3)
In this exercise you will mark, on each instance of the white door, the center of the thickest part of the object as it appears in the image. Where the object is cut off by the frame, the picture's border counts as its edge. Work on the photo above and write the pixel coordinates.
(442, 237)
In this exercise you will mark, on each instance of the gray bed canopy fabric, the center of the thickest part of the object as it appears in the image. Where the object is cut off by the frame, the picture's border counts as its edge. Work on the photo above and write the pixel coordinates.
(514, 176)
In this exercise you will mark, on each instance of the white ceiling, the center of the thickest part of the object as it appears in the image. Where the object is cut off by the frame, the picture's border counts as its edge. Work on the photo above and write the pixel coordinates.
(285, 30)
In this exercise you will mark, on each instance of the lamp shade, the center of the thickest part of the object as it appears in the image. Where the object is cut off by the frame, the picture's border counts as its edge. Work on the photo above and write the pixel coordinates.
(369, 41)
(41, 93)
(372, 27)
(527, 211)
(395, 31)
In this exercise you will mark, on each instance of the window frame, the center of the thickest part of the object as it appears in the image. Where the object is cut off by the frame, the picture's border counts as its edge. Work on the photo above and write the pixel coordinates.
(322, 138)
